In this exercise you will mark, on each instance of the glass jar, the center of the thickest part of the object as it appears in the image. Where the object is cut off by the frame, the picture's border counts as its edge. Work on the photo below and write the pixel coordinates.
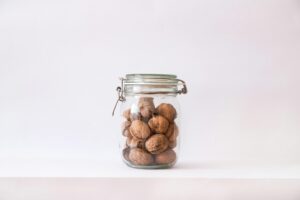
(150, 114)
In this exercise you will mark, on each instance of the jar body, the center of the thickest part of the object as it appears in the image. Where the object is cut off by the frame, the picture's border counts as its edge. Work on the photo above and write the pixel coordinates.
(150, 130)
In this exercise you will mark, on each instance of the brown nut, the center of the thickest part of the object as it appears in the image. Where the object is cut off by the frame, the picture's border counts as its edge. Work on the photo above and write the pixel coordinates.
(125, 127)
(157, 143)
(126, 114)
(167, 110)
(130, 116)
(172, 128)
(126, 153)
(166, 157)
(158, 124)
(140, 157)
(135, 116)
(146, 107)
(171, 134)
(139, 129)
(172, 144)
(133, 142)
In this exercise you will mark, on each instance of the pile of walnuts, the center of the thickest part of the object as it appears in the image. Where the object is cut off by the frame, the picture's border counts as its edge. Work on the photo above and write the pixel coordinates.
(150, 133)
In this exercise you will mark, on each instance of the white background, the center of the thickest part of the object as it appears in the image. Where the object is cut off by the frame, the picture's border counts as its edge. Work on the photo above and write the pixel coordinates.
(60, 61)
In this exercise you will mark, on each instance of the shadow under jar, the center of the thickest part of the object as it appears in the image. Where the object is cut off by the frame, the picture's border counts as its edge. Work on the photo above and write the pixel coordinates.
(150, 119)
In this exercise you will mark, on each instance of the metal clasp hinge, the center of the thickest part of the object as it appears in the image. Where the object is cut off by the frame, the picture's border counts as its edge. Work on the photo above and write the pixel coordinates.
(120, 91)
(184, 89)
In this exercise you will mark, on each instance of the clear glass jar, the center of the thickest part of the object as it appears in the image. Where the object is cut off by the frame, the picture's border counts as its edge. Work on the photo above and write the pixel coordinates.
(150, 114)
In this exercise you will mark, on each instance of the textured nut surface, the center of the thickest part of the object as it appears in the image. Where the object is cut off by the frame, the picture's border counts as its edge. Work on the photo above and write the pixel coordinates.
(166, 157)
(146, 106)
(158, 124)
(139, 129)
(126, 153)
(125, 126)
(172, 144)
(172, 132)
(140, 157)
(173, 137)
(126, 114)
(135, 116)
(157, 143)
(127, 133)
(133, 142)
(167, 110)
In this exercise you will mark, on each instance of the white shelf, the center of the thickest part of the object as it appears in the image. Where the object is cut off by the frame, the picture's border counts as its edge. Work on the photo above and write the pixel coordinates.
(93, 168)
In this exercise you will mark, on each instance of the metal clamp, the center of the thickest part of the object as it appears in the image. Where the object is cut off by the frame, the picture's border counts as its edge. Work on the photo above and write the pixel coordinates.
(121, 97)
(183, 89)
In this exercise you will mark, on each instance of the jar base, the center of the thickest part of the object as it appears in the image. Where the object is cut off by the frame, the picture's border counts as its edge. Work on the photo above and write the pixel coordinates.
(154, 166)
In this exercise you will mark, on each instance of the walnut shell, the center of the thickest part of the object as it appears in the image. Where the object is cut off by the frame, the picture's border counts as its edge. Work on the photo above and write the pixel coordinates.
(126, 153)
(172, 144)
(139, 129)
(146, 107)
(127, 133)
(166, 157)
(126, 114)
(167, 110)
(170, 130)
(173, 137)
(140, 157)
(133, 142)
(125, 127)
(135, 116)
(157, 143)
(130, 116)
(158, 124)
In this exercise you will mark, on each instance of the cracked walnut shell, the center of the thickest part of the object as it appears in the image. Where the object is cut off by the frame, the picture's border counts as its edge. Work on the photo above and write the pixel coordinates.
(158, 124)
(140, 157)
(157, 143)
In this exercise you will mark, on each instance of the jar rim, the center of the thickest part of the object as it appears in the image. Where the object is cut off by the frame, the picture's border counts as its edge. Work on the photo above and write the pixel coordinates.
(150, 75)
(151, 84)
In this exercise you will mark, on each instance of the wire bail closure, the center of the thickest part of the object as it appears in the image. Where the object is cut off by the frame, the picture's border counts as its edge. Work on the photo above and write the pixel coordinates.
(121, 97)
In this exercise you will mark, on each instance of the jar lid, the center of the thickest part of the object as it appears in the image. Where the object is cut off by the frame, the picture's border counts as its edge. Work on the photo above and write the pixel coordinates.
(143, 84)
(152, 84)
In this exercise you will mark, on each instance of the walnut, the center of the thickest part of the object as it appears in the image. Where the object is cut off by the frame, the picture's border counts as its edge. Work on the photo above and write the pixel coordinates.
(157, 143)
(139, 129)
(171, 130)
(174, 134)
(167, 110)
(158, 124)
(125, 128)
(133, 142)
(135, 116)
(172, 144)
(146, 107)
(140, 157)
(126, 114)
(126, 153)
(173, 137)
(130, 116)
(166, 157)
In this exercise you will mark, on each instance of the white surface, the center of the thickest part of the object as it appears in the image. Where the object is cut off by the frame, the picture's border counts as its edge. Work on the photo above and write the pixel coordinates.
(60, 60)
(192, 189)
(112, 169)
